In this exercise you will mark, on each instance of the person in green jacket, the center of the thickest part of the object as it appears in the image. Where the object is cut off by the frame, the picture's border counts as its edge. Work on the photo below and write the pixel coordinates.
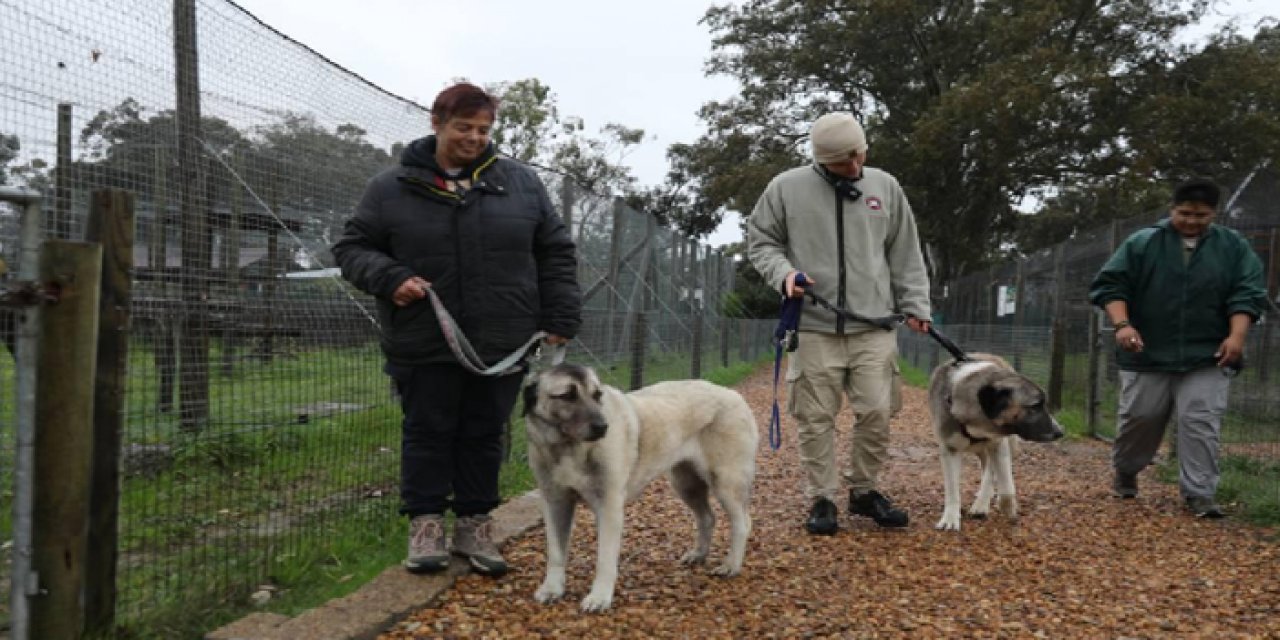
(849, 228)
(1181, 295)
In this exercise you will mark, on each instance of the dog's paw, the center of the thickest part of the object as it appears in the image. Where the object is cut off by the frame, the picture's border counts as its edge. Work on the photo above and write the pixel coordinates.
(694, 556)
(725, 570)
(596, 602)
(549, 592)
(950, 520)
(1009, 506)
(977, 513)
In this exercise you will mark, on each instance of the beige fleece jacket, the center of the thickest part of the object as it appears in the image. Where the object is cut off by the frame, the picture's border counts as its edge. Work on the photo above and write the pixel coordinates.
(793, 227)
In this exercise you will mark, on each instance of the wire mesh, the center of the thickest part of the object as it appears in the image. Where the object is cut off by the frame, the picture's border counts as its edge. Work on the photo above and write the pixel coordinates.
(257, 417)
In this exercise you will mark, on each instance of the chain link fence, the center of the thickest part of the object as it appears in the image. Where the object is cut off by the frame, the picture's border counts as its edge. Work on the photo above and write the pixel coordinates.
(257, 419)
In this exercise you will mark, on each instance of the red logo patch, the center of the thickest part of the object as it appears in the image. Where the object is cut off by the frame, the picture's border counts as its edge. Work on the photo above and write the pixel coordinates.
(873, 203)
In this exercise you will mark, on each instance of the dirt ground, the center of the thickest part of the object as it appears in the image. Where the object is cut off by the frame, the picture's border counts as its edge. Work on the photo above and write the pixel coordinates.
(1078, 564)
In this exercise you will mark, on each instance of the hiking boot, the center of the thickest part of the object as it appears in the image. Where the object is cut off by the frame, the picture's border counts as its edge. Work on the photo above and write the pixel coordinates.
(473, 539)
(876, 506)
(1125, 485)
(428, 551)
(822, 518)
(1204, 507)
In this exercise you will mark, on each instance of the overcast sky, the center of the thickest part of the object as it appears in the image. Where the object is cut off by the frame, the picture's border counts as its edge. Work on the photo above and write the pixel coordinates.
(637, 63)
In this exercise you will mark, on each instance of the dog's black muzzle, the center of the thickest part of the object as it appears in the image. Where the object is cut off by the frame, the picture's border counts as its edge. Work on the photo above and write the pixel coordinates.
(597, 431)
(1040, 431)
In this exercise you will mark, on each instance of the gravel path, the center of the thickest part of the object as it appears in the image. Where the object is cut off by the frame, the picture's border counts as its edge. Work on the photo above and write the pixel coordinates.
(1079, 564)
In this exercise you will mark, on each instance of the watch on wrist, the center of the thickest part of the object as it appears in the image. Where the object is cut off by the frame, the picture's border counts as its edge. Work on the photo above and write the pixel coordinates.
(1120, 324)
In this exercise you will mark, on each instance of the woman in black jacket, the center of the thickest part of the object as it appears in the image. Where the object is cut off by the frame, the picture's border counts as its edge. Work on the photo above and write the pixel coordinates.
(480, 232)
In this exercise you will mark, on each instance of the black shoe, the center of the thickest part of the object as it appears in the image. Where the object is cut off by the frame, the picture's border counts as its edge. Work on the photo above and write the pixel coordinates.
(1125, 485)
(877, 507)
(822, 518)
(1204, 507)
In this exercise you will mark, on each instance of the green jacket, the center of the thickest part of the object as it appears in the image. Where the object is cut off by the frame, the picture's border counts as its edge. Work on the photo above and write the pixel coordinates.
(1182, 310)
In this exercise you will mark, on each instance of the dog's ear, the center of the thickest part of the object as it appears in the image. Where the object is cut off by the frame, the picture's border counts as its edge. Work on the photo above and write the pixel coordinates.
(994, 400)
(530, 396)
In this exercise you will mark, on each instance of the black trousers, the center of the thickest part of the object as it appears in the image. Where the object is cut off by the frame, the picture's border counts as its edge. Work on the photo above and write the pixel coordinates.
(451, 438)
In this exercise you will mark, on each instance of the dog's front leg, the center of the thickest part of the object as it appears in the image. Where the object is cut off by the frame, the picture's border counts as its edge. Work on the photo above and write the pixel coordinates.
(1008, 495)
(558, 513)
(982, 501)
(951, 467)
(608, 546)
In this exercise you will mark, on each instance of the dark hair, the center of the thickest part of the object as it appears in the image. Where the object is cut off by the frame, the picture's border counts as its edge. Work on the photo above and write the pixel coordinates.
(463, 99)
(1199, 190)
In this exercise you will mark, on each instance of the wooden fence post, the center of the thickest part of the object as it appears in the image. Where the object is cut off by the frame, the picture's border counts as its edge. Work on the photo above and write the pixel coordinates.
(1058, 343)
(111, 222)
(64, 439)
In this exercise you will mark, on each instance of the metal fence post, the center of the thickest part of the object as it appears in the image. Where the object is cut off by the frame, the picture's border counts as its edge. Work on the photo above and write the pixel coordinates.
(24, 581)
(111, 222)
(64, 441)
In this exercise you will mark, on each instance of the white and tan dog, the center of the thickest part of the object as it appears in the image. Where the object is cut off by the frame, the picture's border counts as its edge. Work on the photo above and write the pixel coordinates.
(978, 406)
(589, 442)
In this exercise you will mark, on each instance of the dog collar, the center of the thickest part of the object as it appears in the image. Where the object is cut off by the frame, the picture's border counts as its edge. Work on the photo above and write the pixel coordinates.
(964, 429)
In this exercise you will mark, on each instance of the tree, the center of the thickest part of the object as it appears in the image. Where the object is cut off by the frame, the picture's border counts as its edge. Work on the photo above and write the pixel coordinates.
(974, 106)
(530, 127)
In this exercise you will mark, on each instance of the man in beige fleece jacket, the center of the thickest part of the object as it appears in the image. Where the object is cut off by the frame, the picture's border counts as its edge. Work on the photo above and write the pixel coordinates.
(850, 230)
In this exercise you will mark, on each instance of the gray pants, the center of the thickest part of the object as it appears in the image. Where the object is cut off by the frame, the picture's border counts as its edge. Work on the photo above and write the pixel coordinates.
(1197, 398)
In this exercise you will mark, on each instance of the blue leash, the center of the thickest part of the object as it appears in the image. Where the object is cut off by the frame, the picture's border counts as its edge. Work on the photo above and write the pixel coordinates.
(784, 338)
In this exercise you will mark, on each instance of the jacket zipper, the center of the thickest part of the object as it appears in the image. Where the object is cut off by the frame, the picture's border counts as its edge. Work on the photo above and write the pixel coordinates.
(840, 297)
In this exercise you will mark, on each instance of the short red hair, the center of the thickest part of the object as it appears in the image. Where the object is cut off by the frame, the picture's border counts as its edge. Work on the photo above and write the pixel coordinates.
(464, 100)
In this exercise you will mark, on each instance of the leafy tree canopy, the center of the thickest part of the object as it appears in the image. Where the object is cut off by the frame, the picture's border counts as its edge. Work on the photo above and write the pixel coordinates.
(980, 108)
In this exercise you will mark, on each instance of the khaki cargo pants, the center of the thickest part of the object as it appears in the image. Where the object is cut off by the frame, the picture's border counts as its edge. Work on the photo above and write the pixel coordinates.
(820, 372)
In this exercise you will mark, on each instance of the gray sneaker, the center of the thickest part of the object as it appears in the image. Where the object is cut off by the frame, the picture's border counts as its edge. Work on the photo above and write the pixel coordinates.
(473, 539)
(428, 549)
(1125, 485)
(1204, 507)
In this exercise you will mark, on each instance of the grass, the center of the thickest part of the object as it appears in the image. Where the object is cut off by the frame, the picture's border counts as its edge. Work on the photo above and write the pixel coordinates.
(261, 499)
(1248, 487)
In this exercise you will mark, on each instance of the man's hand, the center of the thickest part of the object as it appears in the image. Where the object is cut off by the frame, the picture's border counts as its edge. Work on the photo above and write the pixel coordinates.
(1230, 350)
(410, 291)
(794, 291)
(555, 340)
(1128, 339)
(917, 325)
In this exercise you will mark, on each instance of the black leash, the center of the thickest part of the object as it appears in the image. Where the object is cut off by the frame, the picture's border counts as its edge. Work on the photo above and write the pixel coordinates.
(886, 323)
(947, 344)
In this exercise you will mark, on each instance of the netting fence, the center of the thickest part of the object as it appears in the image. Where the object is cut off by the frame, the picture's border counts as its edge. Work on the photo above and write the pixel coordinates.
(256, 416)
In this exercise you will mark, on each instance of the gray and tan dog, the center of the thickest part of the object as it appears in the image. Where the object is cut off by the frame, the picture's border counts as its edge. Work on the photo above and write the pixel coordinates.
(978, 406)
(589, 442)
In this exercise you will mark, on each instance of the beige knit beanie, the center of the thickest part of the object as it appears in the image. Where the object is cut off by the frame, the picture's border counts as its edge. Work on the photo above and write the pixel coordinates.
(835, 137)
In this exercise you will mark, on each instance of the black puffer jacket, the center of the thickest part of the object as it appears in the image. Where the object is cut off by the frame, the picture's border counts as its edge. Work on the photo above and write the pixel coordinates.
(498, 256)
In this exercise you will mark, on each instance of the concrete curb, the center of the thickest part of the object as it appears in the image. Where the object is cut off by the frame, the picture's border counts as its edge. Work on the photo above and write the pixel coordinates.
(392, 595)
